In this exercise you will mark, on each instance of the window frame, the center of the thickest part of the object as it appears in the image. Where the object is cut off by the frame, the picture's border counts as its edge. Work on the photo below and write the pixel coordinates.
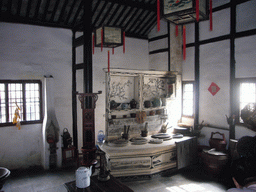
(238, 100)
(23, 82)
(182, 105)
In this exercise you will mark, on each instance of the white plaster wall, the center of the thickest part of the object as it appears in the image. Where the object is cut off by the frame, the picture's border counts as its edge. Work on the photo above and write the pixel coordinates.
(246, 13)
(245, 57)
(220, 25)
(215, 65)
(30, 52)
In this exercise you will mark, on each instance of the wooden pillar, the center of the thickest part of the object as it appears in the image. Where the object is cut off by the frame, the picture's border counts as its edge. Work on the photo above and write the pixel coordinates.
(197, 75)
(233, 91)
(87, 31)
(74, 100)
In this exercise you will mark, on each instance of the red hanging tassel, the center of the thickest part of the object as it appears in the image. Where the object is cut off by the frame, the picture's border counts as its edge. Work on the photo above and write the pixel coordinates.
(124, 42)
(197, 10)
(108, 62)
(113, 51)
(101, 40)
(158, 15)
(210, 15)
(177, 30)
(184, 42)
(93, 43)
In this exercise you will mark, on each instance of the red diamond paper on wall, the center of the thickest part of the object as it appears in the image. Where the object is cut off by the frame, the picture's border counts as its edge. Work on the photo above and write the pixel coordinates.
(213, 89)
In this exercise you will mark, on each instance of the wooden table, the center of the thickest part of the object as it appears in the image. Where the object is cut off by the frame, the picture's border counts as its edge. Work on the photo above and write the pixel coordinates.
(99, 186)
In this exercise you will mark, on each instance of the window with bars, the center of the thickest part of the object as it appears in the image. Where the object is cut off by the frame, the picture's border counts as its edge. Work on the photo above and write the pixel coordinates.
(27, 95)
(188, 99)
(247, 95)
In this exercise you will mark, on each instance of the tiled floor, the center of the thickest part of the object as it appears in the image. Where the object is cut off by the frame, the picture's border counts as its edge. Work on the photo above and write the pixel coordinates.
(193, 179)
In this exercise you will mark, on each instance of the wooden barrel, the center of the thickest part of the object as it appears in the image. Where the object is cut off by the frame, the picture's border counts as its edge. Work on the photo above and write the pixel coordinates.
(214, 161)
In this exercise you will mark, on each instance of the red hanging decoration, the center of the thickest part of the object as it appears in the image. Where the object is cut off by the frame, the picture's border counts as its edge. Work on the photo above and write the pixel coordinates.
(113, 51)
(184, 42)
(210, 15)
(101, 46)
(197, 10)
(158, 15)
(124, 42)
(177, 30)
(93, 45)
(108, 62)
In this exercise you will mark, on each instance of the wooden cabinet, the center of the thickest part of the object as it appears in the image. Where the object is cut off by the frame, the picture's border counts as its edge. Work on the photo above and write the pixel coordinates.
(186, 152)
(122, 86)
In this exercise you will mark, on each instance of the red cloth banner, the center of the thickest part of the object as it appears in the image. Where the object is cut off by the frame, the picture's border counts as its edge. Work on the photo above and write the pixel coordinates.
(177, 30)
(184, 42)
(197, 10)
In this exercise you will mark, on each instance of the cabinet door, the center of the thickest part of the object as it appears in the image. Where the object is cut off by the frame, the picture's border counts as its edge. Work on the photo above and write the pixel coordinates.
(186, 152)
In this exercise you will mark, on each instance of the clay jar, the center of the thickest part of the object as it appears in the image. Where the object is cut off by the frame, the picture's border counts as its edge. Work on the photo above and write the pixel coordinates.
(218, 144)
(147, 104)
(133, 104)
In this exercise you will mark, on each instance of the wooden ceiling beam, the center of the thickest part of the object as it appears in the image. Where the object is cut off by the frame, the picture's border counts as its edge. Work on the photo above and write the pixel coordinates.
(138, 5)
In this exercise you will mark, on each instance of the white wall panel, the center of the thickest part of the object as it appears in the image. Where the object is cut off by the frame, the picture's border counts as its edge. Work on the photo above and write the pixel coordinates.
(246, 13)
(220, 22)
(245, 56)
(214, 67)
(188, 66)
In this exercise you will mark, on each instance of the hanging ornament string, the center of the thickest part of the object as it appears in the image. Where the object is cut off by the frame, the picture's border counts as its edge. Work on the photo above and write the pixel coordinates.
(108, 61)
(158, 15)
(124, 42)
(197, 10)
(184, 42)
(210, 15)
(101, 46)
(177, 30)
(93, 45)
(113, 52)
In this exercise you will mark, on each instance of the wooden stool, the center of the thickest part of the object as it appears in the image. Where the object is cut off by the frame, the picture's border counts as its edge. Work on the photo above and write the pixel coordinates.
(71, 157)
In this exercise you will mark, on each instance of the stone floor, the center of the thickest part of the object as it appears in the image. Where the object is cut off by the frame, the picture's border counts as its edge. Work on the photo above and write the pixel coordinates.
(193, 179)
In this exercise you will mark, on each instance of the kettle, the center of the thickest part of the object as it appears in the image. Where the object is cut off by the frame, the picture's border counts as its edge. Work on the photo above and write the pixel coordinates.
(83, 175)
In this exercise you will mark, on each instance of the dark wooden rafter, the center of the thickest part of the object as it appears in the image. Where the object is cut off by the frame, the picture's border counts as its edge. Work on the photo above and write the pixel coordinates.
(130, 15)
(37, 9)
(57, 3)
(46, 9)
(100, 12)
(77, 13)
(136, 23)
(62, 11)
(131, 18)
(28, 8)
(125, 15)
(70, 12)
(113, 15)
(149, 26)
(107, 13)
(119, 15)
